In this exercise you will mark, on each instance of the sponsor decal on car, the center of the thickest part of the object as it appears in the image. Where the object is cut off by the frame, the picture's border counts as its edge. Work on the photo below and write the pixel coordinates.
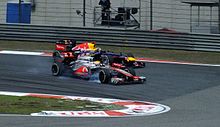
(132, 108)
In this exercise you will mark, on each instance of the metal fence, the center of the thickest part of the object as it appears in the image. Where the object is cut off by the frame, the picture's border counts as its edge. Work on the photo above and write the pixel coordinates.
(114, 37)
(179, 15)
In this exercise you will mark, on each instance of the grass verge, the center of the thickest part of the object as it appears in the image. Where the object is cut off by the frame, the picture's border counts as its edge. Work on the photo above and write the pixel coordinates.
(160, 54)
(28, 105)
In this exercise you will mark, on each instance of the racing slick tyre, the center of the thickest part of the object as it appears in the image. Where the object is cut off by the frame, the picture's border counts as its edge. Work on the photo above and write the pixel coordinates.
(104, 76)
(57, 69)
(110, 59)
(130, 70)
(142, 64)
(107, 59)
(57, 56)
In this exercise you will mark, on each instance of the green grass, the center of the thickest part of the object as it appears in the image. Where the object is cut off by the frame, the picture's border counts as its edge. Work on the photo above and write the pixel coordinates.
(160, 54)
(28, 105)
(30, 46)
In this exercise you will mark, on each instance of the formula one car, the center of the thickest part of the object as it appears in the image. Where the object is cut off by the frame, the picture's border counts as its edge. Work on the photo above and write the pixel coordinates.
(89, 48)
(69, 51)
(86, 66)
(127, 60)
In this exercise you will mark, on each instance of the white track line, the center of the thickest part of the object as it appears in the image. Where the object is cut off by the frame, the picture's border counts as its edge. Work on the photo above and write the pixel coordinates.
(21, 53)
(181, 63)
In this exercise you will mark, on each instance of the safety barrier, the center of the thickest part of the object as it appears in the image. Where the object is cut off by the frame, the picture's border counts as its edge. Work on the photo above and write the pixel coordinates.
(114, 37)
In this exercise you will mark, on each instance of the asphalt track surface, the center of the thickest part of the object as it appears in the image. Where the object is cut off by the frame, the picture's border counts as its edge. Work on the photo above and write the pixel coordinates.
(192, 92)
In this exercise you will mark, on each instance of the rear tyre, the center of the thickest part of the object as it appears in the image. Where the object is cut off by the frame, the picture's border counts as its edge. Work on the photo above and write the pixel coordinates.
(107, 59)
(104, 76)
(57, 69)
(142, 64)
(111, 59)
(57, 56)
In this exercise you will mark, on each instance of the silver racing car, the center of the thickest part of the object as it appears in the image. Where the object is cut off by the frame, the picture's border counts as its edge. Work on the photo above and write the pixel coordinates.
(86, 66)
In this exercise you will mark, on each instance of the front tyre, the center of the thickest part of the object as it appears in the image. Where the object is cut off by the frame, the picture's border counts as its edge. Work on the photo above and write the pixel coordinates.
(104, 76)
(130, 70)
(141, 64)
